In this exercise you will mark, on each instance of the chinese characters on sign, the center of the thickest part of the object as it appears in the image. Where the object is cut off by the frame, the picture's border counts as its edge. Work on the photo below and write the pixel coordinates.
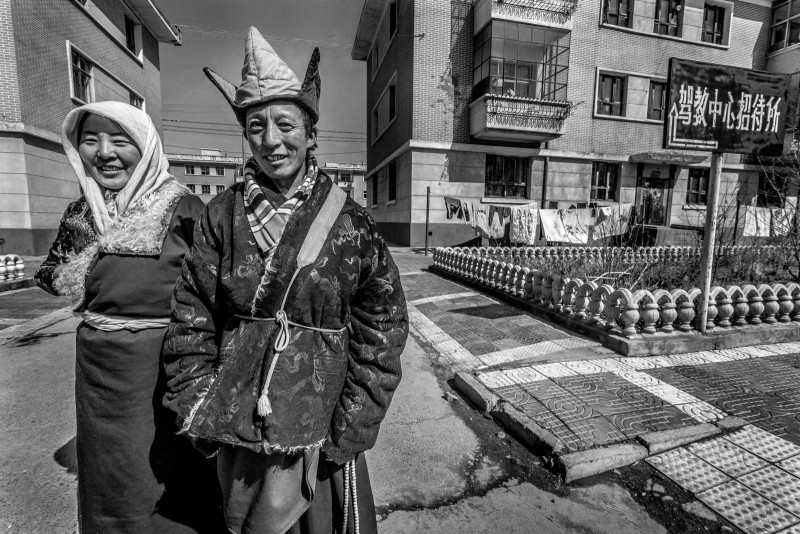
(725, 109)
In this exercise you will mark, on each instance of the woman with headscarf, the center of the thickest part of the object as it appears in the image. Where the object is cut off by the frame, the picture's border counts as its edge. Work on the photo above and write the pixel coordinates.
(118, 253)
(288, 322)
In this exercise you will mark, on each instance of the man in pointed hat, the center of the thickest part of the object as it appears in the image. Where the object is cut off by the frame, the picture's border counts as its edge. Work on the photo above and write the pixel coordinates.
(288, 322)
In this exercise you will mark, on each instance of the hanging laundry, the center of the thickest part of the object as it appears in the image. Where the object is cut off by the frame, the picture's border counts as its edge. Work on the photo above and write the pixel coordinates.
(452, 206)
(567, 226)
(612, 220)
(481, 214)
(497, 228)
(524, 224)
(781, 221)
(756, 222)
(465, 211)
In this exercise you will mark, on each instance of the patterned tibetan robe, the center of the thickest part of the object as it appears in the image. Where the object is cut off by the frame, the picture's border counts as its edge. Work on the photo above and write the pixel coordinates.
(329, 388)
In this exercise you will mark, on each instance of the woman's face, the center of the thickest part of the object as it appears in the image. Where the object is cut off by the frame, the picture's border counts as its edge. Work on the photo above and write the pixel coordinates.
(279, 140)
(108, 153)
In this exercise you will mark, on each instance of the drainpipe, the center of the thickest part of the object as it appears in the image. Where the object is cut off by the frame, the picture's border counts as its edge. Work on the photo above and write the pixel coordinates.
(544, 178)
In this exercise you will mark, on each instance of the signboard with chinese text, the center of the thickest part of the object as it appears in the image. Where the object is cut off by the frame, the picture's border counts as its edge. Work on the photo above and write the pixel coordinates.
(725, 109)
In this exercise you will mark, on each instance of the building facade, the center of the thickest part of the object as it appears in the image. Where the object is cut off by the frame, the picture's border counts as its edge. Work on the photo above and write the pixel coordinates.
(558, 103)
(350, 177)
(206, 174)
(56, 55)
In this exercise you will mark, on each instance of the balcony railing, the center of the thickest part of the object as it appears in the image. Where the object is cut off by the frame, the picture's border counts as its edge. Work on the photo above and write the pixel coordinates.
(502, 117)
(553, 11)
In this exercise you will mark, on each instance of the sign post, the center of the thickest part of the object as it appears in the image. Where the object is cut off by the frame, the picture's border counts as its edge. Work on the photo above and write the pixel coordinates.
(722, 109)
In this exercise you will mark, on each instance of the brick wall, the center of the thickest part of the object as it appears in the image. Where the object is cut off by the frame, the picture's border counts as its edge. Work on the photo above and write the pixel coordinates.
(443, 70)
(9, 86)
(41, 29)
(397, 59)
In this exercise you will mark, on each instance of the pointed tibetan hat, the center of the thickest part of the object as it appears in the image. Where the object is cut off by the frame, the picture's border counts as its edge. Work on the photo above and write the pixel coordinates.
(266, 77)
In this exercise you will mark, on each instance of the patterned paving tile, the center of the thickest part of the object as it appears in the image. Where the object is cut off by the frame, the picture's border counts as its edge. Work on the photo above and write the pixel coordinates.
(610, 397)
(747, 509)
(763, 444)
(777, 485)
(750, 407)
(791, 530)
(524, 375)
(595, 432)
(495, 357)
(785, 427)
(640, 363)
(554, 370)
(687, 470)
(613, 364)
(729, 458)
(639, 422)
(450, 296)
(701, 411)
(515, 395)
(584, 367)
(792, 465)
(669, 394)
(546, 389)
(570, 409)
(697, 389)
(640, 378)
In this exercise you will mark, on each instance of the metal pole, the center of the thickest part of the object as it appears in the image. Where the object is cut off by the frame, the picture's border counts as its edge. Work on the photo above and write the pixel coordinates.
(707, 259)
(427, 212)
(736, 222)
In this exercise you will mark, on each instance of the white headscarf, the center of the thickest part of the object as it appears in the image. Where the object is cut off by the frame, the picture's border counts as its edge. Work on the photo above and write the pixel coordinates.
(150, 174)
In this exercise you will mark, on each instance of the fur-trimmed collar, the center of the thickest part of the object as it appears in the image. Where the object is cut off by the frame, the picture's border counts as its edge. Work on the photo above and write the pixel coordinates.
(139, 232)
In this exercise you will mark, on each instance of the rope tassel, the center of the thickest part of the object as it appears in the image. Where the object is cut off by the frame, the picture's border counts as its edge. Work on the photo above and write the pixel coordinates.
(264, 407)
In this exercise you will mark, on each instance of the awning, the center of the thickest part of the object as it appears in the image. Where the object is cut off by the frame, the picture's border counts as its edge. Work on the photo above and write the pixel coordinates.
(666, 157)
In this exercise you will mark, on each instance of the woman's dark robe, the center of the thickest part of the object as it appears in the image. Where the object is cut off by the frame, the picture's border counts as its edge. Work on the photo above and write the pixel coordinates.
(134, 474)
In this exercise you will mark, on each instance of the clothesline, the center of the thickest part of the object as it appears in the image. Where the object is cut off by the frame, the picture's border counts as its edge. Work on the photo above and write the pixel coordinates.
(521, 223)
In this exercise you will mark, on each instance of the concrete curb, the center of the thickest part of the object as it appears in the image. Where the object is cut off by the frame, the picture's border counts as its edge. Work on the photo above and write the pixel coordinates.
(476, 392)
(583, 464)
(22, 283)
(27, 328)
(652, 344)
(539, 440)
(731, 422)
(669, 439)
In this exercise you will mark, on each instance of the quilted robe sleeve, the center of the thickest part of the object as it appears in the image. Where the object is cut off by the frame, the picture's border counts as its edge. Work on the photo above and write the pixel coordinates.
(190, 348)
(62, 246)
(379, 328)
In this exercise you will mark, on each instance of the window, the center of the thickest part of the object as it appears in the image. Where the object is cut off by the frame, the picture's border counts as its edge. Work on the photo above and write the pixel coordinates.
(697, 188)
(375, 189)
(392, 181)
(392, 18)
(385, 110)
(345, 176)
(219, 171)
(189, 169)
(771, 190)
(204, 170)
(617, 12)
(192, 188)
(81, 78)
(220, 189)
(666, 21)
(657, 101)
(611, 95)
(205, 189)
(604, 181)
(785, 29)
(130, 34)
(135, 100)
(521, 60)
(506, 176)
(365, 194)
(374, 60)
(713, 24)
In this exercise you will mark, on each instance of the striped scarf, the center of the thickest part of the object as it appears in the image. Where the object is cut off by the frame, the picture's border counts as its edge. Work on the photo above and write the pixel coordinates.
(266, 222)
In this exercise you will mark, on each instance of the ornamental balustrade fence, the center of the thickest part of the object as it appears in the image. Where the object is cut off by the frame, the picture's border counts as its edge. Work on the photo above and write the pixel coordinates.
(618, 309)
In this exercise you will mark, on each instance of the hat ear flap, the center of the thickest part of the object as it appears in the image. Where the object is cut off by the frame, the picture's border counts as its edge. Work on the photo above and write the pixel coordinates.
(312, 72)
(227, 89)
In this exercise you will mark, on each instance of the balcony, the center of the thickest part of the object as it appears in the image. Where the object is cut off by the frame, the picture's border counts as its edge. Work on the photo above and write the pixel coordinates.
(541, 12)
(511, 118)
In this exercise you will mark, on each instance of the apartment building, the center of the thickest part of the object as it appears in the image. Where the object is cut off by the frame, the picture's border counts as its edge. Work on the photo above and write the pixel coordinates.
(56, 55)
(206, 174)
(350, 177)
(558, 103)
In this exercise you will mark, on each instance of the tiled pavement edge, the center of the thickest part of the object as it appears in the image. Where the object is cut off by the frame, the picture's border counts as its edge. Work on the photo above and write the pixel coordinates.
(565, 396)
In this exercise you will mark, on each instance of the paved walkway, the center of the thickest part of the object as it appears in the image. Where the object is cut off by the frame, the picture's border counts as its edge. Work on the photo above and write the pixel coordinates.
(588, 397)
